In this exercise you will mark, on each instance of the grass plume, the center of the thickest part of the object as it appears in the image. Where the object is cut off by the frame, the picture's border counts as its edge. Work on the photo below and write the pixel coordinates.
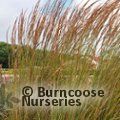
(73, 46)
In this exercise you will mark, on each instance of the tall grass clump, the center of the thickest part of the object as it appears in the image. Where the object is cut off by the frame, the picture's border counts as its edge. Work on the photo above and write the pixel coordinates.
(73, 46)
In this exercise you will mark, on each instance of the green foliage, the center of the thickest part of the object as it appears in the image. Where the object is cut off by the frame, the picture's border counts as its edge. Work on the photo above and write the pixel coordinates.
(5, 51)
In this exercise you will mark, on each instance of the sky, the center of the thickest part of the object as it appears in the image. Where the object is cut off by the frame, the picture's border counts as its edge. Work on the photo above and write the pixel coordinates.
(10, 9)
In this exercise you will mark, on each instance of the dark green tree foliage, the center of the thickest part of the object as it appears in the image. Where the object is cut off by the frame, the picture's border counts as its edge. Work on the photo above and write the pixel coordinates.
(5, 50)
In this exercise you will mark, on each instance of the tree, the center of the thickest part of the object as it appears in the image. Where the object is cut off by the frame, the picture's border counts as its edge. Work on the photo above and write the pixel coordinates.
(5, 50)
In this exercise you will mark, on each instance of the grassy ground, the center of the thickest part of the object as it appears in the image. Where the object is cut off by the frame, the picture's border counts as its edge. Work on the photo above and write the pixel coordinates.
(7, 71)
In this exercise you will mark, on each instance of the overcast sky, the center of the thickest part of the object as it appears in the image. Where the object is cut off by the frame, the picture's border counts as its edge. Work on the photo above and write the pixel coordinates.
(10, 9)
